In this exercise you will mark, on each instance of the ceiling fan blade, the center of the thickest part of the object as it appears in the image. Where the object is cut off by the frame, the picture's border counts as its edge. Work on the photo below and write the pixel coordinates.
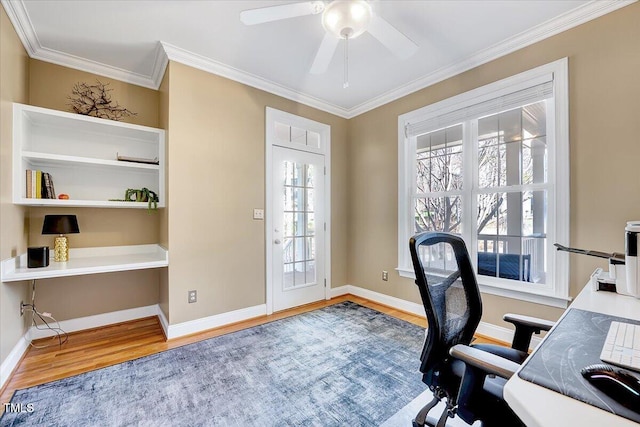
(284, 11)
(325, 54)
(391, 38)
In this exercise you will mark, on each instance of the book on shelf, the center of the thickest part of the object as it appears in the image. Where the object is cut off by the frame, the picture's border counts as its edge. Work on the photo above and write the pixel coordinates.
(33, 184)
(47, 186)
(39, 185)
(53, 189)
(29, 192)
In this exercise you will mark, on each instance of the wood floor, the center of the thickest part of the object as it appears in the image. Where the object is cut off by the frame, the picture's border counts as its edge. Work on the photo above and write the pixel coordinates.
(97, 348)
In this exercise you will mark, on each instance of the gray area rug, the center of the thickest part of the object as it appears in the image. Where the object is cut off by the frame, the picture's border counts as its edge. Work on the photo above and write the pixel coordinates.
(343, 365)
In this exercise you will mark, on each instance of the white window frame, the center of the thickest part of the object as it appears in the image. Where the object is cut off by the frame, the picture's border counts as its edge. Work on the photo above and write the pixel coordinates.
(555, 292)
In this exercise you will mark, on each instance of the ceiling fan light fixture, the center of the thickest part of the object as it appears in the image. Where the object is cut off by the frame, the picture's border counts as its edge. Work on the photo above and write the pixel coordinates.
(347, 18)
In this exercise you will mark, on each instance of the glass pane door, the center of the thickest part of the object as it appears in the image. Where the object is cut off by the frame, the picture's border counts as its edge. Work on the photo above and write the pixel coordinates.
(299, 241)
(298, 228)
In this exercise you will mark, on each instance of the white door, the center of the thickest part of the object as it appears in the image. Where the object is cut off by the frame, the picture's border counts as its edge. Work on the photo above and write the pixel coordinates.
(298, 236)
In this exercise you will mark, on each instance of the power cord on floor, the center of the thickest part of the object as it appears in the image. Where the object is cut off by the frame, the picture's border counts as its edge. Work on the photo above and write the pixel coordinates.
(60, 334)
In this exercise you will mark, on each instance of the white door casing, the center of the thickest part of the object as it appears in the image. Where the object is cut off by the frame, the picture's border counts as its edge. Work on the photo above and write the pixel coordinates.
(297, 220)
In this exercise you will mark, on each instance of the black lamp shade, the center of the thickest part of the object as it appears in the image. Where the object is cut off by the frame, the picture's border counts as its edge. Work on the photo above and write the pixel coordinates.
(60, 224)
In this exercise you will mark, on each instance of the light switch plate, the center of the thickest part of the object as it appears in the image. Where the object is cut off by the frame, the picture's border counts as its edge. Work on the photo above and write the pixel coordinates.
(258, 214)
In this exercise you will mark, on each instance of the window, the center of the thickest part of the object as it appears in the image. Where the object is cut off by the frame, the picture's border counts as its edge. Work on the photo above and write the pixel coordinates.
(292, 134)
(492, 165)
(299, 243)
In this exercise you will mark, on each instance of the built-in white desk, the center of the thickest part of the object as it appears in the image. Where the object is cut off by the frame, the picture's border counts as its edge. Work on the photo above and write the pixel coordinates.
(539, 406)
(88, 261)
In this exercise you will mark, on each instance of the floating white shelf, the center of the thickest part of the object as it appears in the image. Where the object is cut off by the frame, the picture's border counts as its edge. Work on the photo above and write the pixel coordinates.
(82, 203)
(88, 261)
(80, 154)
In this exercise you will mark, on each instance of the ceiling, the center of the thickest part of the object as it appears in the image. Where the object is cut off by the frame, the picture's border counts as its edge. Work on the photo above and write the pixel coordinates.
(132, 41)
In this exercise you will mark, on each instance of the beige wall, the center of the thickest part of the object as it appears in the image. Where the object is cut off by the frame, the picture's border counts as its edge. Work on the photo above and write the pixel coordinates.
(217, 158)
(79, 296)
(14, 73)
(604, 64)
(50, 87)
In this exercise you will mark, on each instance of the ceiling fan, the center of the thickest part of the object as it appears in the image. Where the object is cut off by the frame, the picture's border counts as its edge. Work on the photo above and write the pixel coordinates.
(342, 19)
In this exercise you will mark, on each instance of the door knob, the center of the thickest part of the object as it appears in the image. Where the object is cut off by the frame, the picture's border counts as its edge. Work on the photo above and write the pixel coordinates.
(277, 241)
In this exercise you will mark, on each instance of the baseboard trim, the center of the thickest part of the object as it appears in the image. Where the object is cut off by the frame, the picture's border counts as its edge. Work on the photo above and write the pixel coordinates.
(96, 321)
(216, 321)
(163, 322)
(12, 360)
(170, 331)
(498, 333)
(393, 302)
(339, 291)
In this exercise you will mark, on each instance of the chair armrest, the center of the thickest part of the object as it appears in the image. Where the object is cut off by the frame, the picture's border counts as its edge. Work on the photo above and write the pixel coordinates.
(516, 319)
(487, 362)
(479, 365)
(525, 327)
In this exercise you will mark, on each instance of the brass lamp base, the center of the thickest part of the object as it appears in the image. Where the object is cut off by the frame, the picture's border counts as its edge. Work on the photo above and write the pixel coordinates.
(61, 249)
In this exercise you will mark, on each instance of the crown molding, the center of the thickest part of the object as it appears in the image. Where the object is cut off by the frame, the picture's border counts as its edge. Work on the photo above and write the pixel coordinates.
(17, 13)
(159, 66)
(203, 63)
(72, 61)
(19, 17)
(578, 16)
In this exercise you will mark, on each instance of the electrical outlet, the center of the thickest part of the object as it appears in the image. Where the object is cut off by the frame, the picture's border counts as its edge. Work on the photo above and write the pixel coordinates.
(258, 214)
(385, 275)
(193, 296)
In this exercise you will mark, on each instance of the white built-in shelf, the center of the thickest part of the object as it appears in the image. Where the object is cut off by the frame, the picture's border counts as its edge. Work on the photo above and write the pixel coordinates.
(80, 153)
(46, 159)
(88, 261)
(74, 203)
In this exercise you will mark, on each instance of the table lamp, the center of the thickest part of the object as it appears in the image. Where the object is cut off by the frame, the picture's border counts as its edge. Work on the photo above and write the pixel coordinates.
(61, 225)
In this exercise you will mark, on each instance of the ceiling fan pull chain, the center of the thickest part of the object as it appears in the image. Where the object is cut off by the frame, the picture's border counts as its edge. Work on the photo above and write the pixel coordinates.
(346, 62)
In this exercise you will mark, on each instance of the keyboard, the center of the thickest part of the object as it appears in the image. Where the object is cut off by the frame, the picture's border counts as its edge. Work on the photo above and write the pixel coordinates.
(622, 346)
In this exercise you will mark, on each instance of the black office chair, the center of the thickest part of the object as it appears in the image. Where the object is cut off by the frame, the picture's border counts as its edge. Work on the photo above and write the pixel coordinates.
(469, 378)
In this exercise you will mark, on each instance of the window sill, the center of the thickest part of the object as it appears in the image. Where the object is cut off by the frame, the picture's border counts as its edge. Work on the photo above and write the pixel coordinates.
(536, 298)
